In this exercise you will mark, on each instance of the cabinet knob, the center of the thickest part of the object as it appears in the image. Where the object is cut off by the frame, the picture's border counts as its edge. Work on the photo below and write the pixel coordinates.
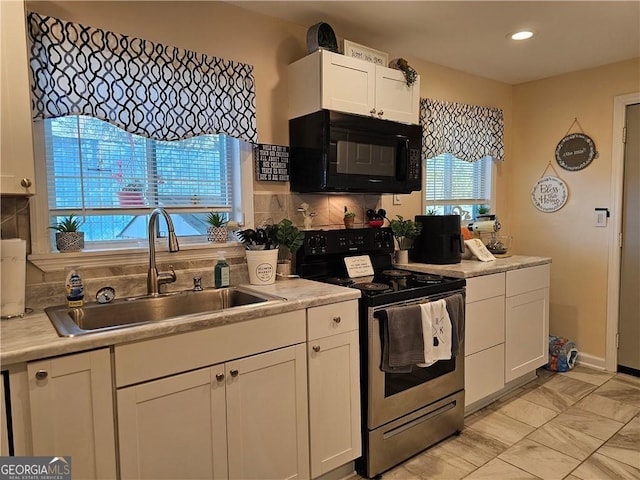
(234, 372)
(373, 111)
(380, 113)
(316, 348)
(41, 374)
(219, 377)
(337, 319)
(25, 182)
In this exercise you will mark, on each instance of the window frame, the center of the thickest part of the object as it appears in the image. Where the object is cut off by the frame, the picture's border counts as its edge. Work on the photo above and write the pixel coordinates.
(190, 247)
(492, 190)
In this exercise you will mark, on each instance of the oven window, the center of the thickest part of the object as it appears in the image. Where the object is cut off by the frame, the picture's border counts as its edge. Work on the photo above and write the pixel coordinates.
(365, 159)
(399, 382)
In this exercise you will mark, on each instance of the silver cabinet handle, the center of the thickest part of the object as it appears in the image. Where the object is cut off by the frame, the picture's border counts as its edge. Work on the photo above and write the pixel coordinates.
(219, 377)
(316, 348)
(234, 372)
(380, 113)
(41, 374)
(337, 319)
(25, 182)
(373, 111)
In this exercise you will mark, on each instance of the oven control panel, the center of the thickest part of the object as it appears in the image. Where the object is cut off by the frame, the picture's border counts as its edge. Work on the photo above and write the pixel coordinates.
(366, 240)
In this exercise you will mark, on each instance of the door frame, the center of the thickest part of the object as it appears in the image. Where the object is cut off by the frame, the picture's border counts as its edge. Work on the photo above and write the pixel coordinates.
(620, 104)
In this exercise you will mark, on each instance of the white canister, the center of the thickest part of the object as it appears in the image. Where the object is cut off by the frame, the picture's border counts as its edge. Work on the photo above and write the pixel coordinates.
(13, 256)
(262, 266)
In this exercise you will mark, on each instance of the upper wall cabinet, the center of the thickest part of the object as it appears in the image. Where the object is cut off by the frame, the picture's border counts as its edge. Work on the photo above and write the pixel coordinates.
(326, 80)
(16, 146)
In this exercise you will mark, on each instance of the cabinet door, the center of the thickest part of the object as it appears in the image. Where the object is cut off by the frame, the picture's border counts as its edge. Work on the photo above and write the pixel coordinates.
(483, 373)
(16, 144)
(71, 403)
(174, 427)
(334, 401)
(267, 417)
(348, 84)
(394, 99)
(526, 332)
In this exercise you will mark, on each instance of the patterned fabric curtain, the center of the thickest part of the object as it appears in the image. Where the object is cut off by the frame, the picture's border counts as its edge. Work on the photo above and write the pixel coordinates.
(467, 132)
(146, 88)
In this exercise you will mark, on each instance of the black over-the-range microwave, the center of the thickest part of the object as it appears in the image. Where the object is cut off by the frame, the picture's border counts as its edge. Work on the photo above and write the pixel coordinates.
(340, 152)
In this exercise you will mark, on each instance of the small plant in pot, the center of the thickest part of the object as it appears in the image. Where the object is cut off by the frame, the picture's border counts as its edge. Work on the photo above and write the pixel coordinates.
(69, 238)
(290, 239)
(217, 231)
(404, 231)
(349, 218)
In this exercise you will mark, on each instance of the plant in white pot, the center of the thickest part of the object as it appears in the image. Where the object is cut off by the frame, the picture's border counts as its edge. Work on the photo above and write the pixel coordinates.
(217, 231)
(404, 231)
(290, 239)
(69, 238)
(261, 246)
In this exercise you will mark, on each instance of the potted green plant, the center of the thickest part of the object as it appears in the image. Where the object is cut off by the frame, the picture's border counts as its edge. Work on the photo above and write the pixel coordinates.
(217, 230)
(69, 238)
(261, 246)
(349, 218)
(290, 239)
(404, 231)
(484, 213)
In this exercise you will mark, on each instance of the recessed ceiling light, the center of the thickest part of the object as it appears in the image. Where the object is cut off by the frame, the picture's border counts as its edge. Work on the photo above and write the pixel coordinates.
(523, 35)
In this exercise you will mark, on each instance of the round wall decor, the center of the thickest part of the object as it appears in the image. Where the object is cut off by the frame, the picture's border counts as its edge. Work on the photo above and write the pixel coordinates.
(321, 35)
(549, 194)
(575, 151)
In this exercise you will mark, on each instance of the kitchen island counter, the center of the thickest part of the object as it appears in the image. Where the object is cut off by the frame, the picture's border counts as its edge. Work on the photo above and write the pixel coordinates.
(34, 337)
(476, 268)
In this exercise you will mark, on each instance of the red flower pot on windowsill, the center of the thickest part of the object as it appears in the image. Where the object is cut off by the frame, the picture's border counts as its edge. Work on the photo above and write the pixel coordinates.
(130, 198)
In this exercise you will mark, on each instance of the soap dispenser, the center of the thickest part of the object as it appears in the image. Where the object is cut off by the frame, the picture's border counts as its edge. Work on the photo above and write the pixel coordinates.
(221, 272)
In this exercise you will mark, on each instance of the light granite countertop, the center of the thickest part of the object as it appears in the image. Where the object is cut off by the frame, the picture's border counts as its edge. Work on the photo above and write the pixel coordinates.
(34, 337)
(476, 268)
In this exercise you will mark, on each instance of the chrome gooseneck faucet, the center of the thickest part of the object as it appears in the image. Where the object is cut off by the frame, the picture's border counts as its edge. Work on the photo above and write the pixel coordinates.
(155, 279)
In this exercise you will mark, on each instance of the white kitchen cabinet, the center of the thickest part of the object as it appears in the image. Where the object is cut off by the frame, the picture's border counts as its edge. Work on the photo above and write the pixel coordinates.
(243, 419)
(484, 337)
(327, 80)
(527, 320)
(71, 401)
(16, 141)
(224, 402)
(334, 380)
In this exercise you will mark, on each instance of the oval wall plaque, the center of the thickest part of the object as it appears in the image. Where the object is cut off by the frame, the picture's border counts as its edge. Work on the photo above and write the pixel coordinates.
(575, 151)
(549, 194)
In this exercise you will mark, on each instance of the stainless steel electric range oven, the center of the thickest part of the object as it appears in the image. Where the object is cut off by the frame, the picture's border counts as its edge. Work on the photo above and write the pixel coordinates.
(402, 413)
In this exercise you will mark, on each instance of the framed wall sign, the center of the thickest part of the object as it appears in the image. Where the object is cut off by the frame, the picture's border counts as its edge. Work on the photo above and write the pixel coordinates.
(272, 163)
(361, 52)
(576, 150)
(549, 194)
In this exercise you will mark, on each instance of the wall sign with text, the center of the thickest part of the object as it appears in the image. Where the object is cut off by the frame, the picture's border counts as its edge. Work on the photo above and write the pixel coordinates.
(549, 194)
(272, 163)
(575, 151)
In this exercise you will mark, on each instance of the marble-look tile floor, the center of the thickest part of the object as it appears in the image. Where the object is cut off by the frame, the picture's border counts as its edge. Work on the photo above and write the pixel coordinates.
(583, 424)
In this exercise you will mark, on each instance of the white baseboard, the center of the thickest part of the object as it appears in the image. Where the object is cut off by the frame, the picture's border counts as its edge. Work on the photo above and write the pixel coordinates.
(590, 361)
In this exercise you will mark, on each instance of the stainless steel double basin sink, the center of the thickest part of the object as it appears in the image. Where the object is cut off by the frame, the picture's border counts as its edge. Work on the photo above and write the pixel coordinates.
(128, 312)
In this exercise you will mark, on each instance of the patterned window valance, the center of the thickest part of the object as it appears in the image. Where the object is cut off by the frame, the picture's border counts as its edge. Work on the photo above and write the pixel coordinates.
(468, 132)
(146, 88)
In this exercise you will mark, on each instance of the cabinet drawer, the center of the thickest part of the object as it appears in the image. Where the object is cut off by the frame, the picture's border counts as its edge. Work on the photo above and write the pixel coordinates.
(486, 286)
(332, 319)
(149, 359)
(483, 374)
(485, 324)
(528, 279)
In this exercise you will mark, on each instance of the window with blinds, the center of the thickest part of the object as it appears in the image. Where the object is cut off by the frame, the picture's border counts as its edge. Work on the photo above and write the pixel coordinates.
(454, 186)
(113, 179)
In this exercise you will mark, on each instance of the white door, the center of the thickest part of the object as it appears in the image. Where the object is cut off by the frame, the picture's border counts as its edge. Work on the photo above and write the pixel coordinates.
(526, 333)
(394, 99)
(174, 427)
(629, 303)
(334, 401)
(71, 402)
(267, 417)
(348, 84)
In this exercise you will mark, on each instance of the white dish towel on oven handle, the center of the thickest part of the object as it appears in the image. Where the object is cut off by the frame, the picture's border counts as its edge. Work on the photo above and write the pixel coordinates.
(436, 329)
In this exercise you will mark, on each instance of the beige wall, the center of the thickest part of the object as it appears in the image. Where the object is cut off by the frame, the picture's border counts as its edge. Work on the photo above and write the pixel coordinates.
(543, 112)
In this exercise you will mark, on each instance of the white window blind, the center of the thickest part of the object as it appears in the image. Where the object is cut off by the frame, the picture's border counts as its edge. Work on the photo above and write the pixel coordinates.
(450, 182)
(114, 178)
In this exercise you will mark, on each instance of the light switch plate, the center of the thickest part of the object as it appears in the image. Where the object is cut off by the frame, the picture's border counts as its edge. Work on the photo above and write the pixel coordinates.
(600, 218)
(397, 200)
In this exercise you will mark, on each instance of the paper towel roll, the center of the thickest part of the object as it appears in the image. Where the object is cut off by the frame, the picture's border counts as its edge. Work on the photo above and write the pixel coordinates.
(13, 255)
